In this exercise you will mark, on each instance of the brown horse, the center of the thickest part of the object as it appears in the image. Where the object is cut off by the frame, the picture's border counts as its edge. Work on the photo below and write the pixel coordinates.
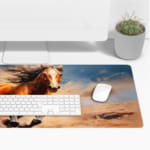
(46, 82)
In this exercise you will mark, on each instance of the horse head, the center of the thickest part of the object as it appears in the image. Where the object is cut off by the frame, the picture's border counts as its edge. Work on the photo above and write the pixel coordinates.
(52, 76)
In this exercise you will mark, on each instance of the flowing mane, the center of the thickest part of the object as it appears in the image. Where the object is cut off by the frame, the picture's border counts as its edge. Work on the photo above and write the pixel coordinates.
(20, 74)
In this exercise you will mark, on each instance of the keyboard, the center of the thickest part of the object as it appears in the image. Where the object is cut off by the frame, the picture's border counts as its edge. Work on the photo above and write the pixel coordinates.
(57, 105)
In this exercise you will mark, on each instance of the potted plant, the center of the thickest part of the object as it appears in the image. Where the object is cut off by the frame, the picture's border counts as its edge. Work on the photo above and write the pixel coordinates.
(129, 39)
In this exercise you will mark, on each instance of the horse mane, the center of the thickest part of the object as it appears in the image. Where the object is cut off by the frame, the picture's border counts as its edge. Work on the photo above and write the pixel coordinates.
(20, 74)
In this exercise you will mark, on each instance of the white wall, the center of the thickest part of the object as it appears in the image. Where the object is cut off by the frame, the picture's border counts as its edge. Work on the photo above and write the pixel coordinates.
(120, 7)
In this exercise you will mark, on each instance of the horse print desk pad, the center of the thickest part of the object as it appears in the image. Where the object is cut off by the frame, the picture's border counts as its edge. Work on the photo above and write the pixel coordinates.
(120, 110)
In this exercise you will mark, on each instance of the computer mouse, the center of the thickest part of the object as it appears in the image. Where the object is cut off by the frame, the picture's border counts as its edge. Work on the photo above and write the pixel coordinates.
(101, 92)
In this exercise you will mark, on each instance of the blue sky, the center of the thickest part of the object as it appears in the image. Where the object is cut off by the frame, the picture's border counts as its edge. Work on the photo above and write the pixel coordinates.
(85, 73)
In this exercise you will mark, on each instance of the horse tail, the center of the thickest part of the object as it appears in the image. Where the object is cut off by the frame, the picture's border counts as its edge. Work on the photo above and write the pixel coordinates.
(7, 88)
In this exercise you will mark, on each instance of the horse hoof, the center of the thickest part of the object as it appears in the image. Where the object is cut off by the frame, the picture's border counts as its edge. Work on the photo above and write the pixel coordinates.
(35, 122)
(10, 123)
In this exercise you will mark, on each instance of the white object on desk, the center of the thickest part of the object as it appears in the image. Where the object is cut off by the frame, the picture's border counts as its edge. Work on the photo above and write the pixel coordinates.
(55, 105)
(54, 20)
(101, 92)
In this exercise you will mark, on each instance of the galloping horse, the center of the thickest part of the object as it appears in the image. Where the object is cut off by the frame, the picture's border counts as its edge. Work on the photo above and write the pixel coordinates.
(45, 82)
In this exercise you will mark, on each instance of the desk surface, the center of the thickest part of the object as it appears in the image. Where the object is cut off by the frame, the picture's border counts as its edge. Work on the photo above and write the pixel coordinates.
(120, 110)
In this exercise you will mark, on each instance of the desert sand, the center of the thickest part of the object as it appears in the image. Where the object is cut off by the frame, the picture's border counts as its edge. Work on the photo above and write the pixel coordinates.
(126, 114)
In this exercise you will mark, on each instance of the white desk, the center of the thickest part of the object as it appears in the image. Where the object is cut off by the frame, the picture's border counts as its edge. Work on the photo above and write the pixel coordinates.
(54, 20)
(87, 139)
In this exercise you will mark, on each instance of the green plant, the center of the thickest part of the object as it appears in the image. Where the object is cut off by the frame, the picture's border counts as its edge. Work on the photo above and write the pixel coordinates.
(130, 26)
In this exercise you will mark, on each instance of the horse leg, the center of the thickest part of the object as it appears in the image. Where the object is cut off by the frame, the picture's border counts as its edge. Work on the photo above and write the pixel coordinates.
(36, 121)
(12, 122)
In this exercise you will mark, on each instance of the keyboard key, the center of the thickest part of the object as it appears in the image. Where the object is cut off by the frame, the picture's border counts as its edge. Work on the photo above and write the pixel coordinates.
(40, 105)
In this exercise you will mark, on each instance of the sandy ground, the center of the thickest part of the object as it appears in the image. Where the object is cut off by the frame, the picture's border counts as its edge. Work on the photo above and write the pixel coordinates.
(125, 114)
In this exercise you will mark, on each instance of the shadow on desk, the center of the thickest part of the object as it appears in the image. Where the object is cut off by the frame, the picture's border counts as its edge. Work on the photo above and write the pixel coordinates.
(106, 47)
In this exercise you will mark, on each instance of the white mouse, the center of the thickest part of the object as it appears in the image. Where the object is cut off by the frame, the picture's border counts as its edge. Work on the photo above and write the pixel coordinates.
(101, 92)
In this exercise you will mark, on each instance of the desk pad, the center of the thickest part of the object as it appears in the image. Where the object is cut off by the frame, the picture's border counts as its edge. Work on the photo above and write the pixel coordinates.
(120, 110)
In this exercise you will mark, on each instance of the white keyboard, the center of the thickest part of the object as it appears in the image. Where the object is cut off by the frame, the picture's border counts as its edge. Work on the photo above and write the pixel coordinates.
(40, 105)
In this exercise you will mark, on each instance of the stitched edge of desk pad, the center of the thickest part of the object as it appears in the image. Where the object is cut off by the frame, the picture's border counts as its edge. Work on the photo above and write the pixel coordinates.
(121, 109)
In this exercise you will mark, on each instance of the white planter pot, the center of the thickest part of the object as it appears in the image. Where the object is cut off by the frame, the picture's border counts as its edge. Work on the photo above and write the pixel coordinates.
(129, 47)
